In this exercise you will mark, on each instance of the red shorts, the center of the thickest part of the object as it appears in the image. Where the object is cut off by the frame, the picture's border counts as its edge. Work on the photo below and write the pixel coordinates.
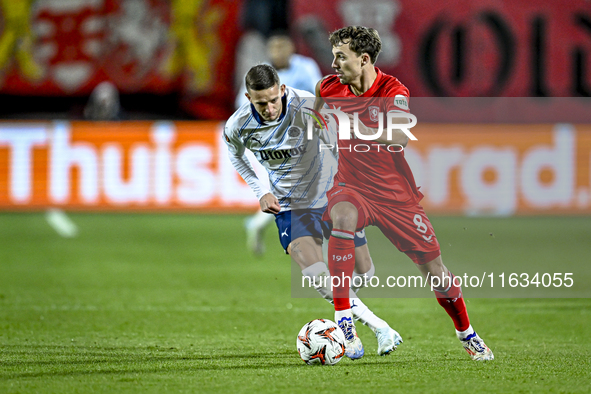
(406, 226)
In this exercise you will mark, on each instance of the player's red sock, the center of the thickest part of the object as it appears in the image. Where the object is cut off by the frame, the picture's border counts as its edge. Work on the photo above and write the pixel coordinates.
(450, 298)
(341, 262)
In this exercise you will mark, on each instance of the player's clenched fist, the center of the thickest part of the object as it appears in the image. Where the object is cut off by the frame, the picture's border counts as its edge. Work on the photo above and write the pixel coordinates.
(269, 203)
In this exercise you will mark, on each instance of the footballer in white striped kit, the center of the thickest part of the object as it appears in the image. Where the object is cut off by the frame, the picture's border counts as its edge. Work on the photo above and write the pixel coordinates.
(273, 126)
(299, 174)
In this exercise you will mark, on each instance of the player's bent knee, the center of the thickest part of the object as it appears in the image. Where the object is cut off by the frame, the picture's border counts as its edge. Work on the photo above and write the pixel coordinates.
(305, 250)
(344, 216)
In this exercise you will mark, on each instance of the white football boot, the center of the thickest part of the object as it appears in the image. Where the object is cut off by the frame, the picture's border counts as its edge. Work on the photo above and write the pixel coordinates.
(476, 348)
(353, 346)
(388, 339)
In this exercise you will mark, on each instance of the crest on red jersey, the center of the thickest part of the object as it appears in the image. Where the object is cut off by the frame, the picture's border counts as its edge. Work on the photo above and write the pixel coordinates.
(374, 111)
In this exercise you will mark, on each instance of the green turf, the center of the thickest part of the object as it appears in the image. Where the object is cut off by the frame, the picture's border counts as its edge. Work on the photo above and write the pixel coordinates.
(173, 303)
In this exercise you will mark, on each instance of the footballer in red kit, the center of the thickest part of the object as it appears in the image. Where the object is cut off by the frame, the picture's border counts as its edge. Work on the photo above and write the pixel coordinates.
(372, 172)
(379, 174)
(374, 184)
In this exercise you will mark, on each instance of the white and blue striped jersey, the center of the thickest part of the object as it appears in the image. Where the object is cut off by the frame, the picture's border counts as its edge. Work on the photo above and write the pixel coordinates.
(300, 173)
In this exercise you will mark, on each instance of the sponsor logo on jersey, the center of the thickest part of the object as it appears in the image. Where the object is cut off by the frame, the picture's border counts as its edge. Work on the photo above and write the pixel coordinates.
(374, 112)
(294, 131)
(401, 102)
(282, 153)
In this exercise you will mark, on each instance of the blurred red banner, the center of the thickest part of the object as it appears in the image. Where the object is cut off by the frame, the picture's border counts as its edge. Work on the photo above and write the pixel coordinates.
(465, 48)
(59, 48)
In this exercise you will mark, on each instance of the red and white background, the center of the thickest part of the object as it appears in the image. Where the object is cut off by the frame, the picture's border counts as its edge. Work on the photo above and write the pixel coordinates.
(66, 47)
(468, 48)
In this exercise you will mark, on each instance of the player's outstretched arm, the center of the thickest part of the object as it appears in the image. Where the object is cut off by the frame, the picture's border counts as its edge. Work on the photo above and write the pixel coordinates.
(236, 153)
(319, 102)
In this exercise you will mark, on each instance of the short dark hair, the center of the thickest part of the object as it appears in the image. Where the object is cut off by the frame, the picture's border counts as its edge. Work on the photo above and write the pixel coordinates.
(361, 40)
(261, 77)
(279, 33)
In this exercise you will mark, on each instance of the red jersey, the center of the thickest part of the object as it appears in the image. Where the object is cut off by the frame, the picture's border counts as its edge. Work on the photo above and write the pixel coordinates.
(378, 172)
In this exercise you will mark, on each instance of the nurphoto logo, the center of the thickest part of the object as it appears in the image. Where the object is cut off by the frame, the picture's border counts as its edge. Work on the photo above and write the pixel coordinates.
(344, 129)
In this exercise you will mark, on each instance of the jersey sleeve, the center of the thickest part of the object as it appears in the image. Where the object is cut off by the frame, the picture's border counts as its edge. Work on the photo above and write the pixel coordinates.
(232, 141)
(398, 99)
(237, 155)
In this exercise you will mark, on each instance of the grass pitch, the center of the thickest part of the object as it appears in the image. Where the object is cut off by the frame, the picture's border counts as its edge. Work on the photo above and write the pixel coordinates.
(174, 303)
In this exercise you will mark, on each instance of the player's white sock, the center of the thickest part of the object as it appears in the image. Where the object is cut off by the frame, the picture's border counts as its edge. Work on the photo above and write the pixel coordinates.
(255, 230)
(260, 220)
(465, 334)
(361, 280)
(362, 313)
(318, 274)
(347, 314)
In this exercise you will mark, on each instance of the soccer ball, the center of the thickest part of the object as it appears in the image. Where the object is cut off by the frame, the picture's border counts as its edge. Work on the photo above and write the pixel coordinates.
(321, 342)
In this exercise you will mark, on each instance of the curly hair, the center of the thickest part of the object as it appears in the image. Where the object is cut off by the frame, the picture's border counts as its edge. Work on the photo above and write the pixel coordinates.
(361, 40)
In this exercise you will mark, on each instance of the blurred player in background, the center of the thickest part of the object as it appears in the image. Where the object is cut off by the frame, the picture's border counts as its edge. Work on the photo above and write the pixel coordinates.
(103, 103)
(377, 187)
(294, 70)
(273, 126)
(258, 20)
(299, 72)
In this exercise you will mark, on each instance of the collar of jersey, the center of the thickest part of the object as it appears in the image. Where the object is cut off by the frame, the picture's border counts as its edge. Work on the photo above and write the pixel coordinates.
(283, 111)
(373, 86)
